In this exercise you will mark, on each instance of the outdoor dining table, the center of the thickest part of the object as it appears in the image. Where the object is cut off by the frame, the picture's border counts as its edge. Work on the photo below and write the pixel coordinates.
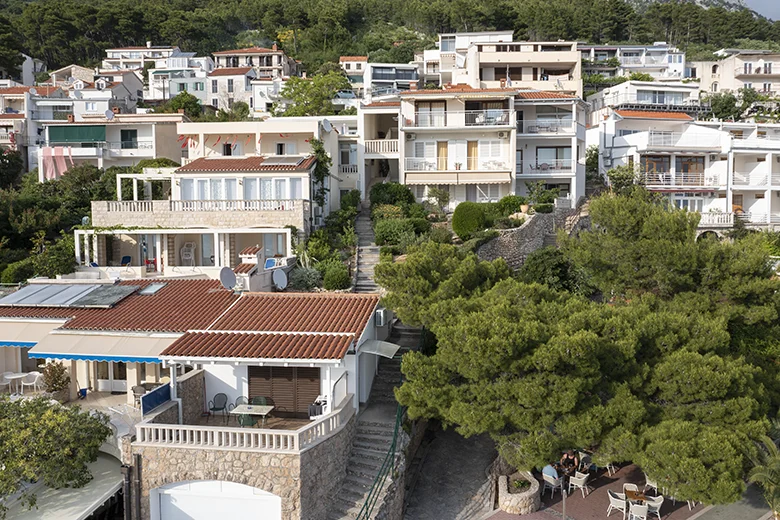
(635, 496)
(16, 377)
(252, 409)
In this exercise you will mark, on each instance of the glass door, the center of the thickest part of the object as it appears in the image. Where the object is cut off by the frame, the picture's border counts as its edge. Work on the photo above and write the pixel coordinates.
(111, 376)
(207, 250)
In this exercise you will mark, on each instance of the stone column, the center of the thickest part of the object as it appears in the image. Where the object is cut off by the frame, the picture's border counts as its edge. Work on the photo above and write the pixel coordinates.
(73, 388)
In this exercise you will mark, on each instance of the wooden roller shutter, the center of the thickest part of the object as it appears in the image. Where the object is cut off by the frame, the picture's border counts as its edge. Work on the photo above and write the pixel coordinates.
(283, 394)
(307, 388)
(259, 382)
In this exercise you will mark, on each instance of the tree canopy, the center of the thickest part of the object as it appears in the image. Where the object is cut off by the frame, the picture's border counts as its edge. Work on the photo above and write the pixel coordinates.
(310, 96)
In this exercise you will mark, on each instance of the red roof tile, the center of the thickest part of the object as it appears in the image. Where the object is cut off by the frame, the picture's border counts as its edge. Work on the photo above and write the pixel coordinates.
(648, 114)
(244, 164)
(170, 309)
(260, 346)
(457, 89)
(40, 89)
(379, 104)
(353, 58)
(12, 116)
(303, 312)
(244, 268)
(248, 50)
(230, 71)
(251, 250)
(543, 94)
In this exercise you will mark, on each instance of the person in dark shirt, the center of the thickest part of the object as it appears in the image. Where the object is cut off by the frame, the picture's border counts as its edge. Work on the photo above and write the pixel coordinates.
(569, 460)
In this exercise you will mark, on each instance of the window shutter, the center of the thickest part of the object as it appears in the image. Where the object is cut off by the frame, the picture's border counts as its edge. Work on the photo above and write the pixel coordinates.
(259, 382)
(307, 388)
(283, 394)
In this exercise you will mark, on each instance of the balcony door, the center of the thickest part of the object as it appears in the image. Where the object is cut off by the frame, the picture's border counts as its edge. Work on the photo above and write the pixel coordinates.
(472, 155)
(441, 155)
(111, 376)
(431, 113)
(129, 139)
(207, 250)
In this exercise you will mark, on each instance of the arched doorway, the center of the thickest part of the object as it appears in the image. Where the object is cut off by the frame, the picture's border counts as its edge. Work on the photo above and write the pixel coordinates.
(714, 69)
(209, 499)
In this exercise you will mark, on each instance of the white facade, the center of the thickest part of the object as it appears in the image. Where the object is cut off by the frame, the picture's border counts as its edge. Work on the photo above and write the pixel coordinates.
(131, 58)
(662, 61)
(759, 70)
(178, 73)
(226, 86)
(268, 63)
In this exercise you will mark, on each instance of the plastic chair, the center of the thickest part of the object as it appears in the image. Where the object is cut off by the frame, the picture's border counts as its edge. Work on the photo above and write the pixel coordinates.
(125, 262)
(579, 481)
(630, 487)
(654, 506)
(246, 420)
(617, 501)
(4, 381)
(259, 401)
(32, 379)
(637, 512)
(650, 484)
(270, 263)
(138, 392)
(219, 404)
(552, 484)
(239, 401)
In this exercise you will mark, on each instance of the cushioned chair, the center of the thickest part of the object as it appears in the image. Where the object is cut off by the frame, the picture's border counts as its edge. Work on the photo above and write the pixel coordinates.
(219, 404)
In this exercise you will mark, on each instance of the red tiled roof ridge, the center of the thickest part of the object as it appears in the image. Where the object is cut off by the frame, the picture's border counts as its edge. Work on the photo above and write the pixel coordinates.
(230, 71)
(353, 58)
(649, 114)
(246, 50)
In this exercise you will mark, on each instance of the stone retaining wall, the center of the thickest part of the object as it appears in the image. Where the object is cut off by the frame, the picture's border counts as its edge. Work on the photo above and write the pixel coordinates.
(166, 413)
(514, 245)
(523, 503)
(191, 388)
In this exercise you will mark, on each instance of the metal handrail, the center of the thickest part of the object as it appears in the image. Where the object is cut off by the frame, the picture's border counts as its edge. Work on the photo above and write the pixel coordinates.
(384, 470)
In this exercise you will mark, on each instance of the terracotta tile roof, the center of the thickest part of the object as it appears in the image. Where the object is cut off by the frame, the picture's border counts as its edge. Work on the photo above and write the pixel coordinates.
(342, 59)
(230, 71)
(251, 250)
(248, 50)
(543, 95)
(379, 104)
(244, 164)
(40, 89)
(244, 268)
(170, 309)
(648, 114)
(457, 89)
(303, 312)
(260, 346)
(138, 48)
(12, 116)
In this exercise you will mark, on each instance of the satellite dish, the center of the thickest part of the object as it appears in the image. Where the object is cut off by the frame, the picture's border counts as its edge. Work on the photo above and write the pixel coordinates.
(110, 115)
(227, 278)
(326, 125)
(280, 279)
(33, 92)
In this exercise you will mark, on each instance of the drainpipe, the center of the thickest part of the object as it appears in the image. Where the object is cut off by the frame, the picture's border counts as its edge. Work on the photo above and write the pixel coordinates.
(137, 490)
(126, 469)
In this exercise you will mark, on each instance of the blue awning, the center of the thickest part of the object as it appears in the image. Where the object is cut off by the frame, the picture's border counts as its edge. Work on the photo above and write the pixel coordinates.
(102, 347)
(25, 334)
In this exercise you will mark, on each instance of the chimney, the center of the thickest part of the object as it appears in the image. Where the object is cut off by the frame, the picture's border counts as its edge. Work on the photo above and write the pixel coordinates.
(71, 118)
(115, 110)
(412, 85)
(503, 82)
(274, 47)
(148, 45)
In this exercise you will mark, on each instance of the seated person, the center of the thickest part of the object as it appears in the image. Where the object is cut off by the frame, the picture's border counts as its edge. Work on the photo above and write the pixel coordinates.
(549, 470)
(569, 460)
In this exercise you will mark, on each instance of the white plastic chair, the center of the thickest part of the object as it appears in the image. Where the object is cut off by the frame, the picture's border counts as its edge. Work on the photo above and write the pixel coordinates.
(637, 512)
(611, 469)
(630, 487)
(617, 501)
(552, 484)
(32, 379)
(650, 484)
(654, 506)
(579, 481)
(4, 380)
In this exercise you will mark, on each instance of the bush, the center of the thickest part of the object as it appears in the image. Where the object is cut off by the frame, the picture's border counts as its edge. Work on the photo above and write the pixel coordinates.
(406, 240)
(336, 277)
(390, 193)
(18, 272)
(351, 200)
(510, 204)
(391, 231)
(469, 217)
(508, 223)
(440, 235)
(318, 245)
(385, 254)
(421, 225)
(415, 210)
(550, 266)
(386, 211)
(479, 238)
(544, 208)
(55, 377)
(323, 266)
(305, 278)
(9, 256)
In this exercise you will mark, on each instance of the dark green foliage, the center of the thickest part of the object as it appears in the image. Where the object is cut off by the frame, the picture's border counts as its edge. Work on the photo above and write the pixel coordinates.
(53, 258)
(390, 193)
(623, 179)
(305, 278)
(420, 225)
(323, 266)
(478, 239)
(508, 223)
(414, 210)
(18, 272)
(440, 235)
(310, 97)
(182, 101)
(336, 277)
(549, 266)
(318, 245)
(392, 230)
(11, 168)
(544, 208)
(511, 204)
(469, 217)
(350, 200)
(9, 256)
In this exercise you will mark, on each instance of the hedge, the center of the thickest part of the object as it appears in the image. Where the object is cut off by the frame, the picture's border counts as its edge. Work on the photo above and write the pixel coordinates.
(350, 200)
(469, 217)
(386, 211)
(18, 272)
(390, 193)
(421, 225)
(391, 231)
(305, 278)
(544, 208)
(510, 204)
(336, 277)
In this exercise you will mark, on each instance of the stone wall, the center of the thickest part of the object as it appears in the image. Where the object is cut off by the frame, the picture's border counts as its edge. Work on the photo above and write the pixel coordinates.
(514, 245)
(390, 506)
(191, 388)
(523, 503)
(166, 413)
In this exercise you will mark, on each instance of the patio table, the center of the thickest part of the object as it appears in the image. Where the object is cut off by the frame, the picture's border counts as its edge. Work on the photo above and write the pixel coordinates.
(635, 496)
(252, 409)
(16, 377)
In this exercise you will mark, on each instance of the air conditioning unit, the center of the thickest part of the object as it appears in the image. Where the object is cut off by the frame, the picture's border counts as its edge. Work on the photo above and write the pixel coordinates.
(380, 316)
(411, 137)
(714, 158)
(503, 135)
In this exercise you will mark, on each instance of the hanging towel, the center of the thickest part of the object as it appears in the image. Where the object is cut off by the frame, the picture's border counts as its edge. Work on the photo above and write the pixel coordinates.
(59, 160)
(70, 155)
(49, 170)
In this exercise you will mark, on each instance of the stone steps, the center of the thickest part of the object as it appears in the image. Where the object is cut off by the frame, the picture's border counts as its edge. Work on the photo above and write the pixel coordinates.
(550, 240)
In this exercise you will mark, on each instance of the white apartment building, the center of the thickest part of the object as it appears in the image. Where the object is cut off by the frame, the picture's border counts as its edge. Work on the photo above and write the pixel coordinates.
(492, 59)
(25, 74)
(268, 63)
(229, 85)
(380, 79)
(662, 61)
(134, 58)
(265, 92)
(182, 72)
(354, 67)
(759, 70)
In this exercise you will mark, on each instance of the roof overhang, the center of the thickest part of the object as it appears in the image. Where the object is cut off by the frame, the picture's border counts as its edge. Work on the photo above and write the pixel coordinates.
(201, 360)
(380, 348)
(17, 333)
(102, 347)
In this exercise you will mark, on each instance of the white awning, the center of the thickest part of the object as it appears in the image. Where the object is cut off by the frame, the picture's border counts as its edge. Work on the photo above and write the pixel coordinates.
(380, 348)
(25, 333)
(101, 347)
(75, 503)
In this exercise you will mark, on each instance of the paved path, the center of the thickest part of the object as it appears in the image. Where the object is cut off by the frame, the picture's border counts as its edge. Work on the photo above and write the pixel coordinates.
(452, 476)
(751, 507)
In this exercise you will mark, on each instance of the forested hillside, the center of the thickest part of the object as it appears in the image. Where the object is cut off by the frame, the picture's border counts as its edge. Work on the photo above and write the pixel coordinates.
(316, 31)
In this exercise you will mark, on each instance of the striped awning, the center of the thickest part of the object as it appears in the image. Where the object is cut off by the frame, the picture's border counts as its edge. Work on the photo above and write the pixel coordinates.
(102, 347)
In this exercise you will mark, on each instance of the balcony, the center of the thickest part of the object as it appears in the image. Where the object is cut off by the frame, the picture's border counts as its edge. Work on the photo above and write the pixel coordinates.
(716, 220)
(765, 142)
(200, 213)
(348, 168)
(643, 61)
(460, 119)
(670, 100)
(751, 179)
(656, 180)
(52, 115)
(750, 70)
(679, 141)
(381, 147)
(546, 168)
(547, 127)
(470, 163)
(442, 171)
(131, 148)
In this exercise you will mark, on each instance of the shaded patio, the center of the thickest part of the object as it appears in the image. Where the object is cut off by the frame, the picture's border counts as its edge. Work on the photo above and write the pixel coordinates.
(271, 422)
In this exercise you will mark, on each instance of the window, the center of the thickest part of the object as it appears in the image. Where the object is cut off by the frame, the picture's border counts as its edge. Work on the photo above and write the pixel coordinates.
(285, 148)
(91, 106)
(419, 191)
(227, 149)
(767, 68)
(198, 86)
(129, 139)
(714, 69)
(347, 66)
(553, 157)
(215, 102)
(296, 188)
(714, 87)
(431, 113)
(447, 44)
(214, 86)
(655, 163)
(490, 149)
(251, 102)
(623, 133)
(358, 66)
(347, 153)
(230, 85)
(182, 87)
(488, 192)
(767, 87)
(230, 102)
(425, 149)
(748, 85)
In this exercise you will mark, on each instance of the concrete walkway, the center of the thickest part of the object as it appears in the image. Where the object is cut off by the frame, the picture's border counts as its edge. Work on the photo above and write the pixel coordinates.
(453, 479)
(751, 507)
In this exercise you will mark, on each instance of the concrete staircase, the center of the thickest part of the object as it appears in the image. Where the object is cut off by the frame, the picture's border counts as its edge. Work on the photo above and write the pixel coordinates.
(550, 240)
(367, 254)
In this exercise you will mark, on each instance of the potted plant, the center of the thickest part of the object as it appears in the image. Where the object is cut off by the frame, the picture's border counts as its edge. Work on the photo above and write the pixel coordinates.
(56, 381)
(458, 165)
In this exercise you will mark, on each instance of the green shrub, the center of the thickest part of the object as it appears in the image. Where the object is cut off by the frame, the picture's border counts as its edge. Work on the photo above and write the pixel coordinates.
(385, 254)
(440, 235)
(469, 217)
(17, 272)
(508, 223)
(349, 236)
(305, 278)
(491, 211)
(479, 238)
(319, 245)
(421, 225)
(323, 266)
(386, 211)
(9, 256)
(336, 277)
(510, 204)
(544, 208)
(351, 200)
(55, 377)
(408, 239)
(390, 193)
(391, 231)
(415, 210)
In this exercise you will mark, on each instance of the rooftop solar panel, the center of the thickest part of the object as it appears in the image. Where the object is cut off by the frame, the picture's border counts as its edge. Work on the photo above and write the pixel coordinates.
(105, 296)
(68, 295)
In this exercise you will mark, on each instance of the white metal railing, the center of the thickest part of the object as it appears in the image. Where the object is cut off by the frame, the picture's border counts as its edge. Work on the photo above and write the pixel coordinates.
(233, 205)
(348, 168)
(552, 166)
(656, 178)
(246, 439)
(132, 206)
(466, 164)
(683, 140)
(716, 219)
(631, 60)
(459, 118)
(381, 146)
(751, 179)
(546, 126)
(662, 98)
(5, 137)
(131, 145)
(758, 141)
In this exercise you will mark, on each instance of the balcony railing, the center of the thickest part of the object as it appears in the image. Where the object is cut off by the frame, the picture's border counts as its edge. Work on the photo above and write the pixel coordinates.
(467, 164)
(153, 206)
(245, 439)
(546, 126)
(681, 179)
(547, 167)
(633, 99)
(716, 220)
(683, 140)
(758, 71)
(130, 145)
(461, 118)
(56, 115)
(348, 168)
(382, 146)
(751, 179)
